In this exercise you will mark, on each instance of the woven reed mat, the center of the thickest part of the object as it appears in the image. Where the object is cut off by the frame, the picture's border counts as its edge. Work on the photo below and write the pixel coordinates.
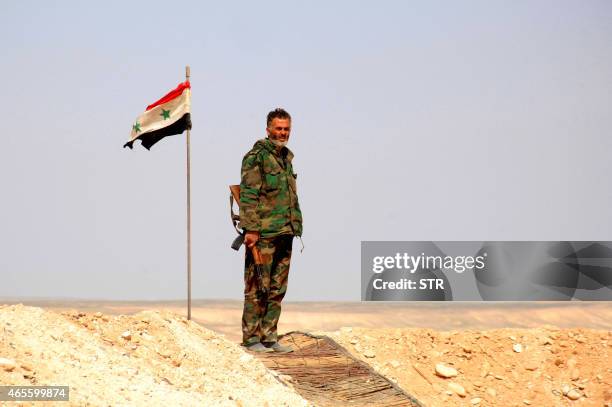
(326, 374)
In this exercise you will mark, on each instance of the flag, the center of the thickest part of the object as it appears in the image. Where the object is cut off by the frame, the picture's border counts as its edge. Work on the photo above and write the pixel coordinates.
(169, 115)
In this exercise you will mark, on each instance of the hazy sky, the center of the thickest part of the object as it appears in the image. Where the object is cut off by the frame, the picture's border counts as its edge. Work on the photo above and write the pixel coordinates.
(470, 120)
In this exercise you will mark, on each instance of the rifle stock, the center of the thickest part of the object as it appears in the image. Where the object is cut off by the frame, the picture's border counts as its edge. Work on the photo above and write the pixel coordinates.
(262, 291)
(235, 196)
(256, 256)
(235, 190)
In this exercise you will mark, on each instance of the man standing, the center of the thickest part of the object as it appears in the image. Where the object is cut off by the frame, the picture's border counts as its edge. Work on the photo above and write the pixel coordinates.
(270, 217)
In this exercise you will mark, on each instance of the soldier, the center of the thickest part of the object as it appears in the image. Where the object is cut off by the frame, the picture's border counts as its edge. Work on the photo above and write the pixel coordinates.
(270, 217)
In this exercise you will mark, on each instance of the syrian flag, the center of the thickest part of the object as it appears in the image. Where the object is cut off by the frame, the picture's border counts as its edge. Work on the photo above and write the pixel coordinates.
(169, 115)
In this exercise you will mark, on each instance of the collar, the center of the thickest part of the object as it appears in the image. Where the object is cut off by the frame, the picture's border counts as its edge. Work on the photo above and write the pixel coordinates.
(284, 152)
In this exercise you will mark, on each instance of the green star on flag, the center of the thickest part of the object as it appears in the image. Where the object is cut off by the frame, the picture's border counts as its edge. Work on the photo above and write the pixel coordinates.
(168, 116)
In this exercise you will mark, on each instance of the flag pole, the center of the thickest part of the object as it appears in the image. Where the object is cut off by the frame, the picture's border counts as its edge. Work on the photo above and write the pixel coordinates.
(187, 75)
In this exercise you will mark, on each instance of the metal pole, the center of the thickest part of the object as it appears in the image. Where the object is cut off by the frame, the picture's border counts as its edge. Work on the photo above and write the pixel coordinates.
(187, 75)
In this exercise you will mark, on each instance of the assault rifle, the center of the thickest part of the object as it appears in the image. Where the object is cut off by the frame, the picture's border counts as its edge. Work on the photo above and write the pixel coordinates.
(262, 292)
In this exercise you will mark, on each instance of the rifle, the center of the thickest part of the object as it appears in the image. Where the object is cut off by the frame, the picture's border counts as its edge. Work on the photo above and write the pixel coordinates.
(262, 293)
(235, 196)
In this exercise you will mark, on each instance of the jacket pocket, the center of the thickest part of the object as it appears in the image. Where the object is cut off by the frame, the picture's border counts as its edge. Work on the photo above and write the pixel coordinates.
(272, 180)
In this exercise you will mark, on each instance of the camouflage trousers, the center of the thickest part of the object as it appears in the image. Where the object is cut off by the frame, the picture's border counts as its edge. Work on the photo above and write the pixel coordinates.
(260, 316)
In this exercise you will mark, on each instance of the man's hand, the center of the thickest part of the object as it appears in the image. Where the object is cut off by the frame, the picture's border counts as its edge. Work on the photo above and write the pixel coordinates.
(250, 238)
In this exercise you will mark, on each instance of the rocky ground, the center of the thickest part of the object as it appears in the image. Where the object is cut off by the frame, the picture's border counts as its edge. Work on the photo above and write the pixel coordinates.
(150, 358)
(159, 358)
(502, 367)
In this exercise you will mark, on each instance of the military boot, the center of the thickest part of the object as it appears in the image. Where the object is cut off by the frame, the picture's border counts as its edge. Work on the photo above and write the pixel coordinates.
(277, 347)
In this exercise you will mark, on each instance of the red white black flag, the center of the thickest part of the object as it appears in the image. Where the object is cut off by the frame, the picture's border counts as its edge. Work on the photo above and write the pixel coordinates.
(169, 115)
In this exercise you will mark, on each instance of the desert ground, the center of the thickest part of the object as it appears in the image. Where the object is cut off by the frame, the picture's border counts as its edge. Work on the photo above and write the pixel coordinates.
(223, 316)
(443, 354)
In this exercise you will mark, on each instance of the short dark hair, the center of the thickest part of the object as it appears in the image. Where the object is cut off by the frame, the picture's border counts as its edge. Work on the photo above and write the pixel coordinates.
(278, 113)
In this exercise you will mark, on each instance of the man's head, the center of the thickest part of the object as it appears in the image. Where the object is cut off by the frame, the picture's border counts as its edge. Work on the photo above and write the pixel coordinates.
(278, 127)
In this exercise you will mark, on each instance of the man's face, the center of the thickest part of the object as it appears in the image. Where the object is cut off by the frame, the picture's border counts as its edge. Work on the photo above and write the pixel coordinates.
(278, 131)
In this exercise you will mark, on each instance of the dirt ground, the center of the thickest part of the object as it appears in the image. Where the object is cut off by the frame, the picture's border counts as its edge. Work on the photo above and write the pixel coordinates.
(501, 367)
(497, 354)
(225, 316)
(148, 359)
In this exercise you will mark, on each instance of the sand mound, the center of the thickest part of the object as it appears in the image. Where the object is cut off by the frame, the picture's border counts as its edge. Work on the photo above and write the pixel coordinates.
(159, 358)
(503, 367)
(150, 358)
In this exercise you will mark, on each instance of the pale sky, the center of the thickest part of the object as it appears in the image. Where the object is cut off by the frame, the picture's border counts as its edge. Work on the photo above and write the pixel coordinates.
(468, 120)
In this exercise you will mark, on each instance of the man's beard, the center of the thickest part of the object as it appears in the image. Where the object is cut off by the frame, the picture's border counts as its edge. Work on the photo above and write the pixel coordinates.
(279, 143)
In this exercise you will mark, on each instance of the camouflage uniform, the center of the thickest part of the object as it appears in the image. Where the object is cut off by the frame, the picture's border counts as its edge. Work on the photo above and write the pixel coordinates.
(268, 205)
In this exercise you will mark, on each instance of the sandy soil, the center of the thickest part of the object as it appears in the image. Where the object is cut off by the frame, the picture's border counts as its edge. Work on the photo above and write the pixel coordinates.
(503, 354)
(225, 316)
(148, 359)
(501, 367)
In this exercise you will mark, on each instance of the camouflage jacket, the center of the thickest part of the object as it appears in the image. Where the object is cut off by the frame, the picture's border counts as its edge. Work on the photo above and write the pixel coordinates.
(268, 193)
